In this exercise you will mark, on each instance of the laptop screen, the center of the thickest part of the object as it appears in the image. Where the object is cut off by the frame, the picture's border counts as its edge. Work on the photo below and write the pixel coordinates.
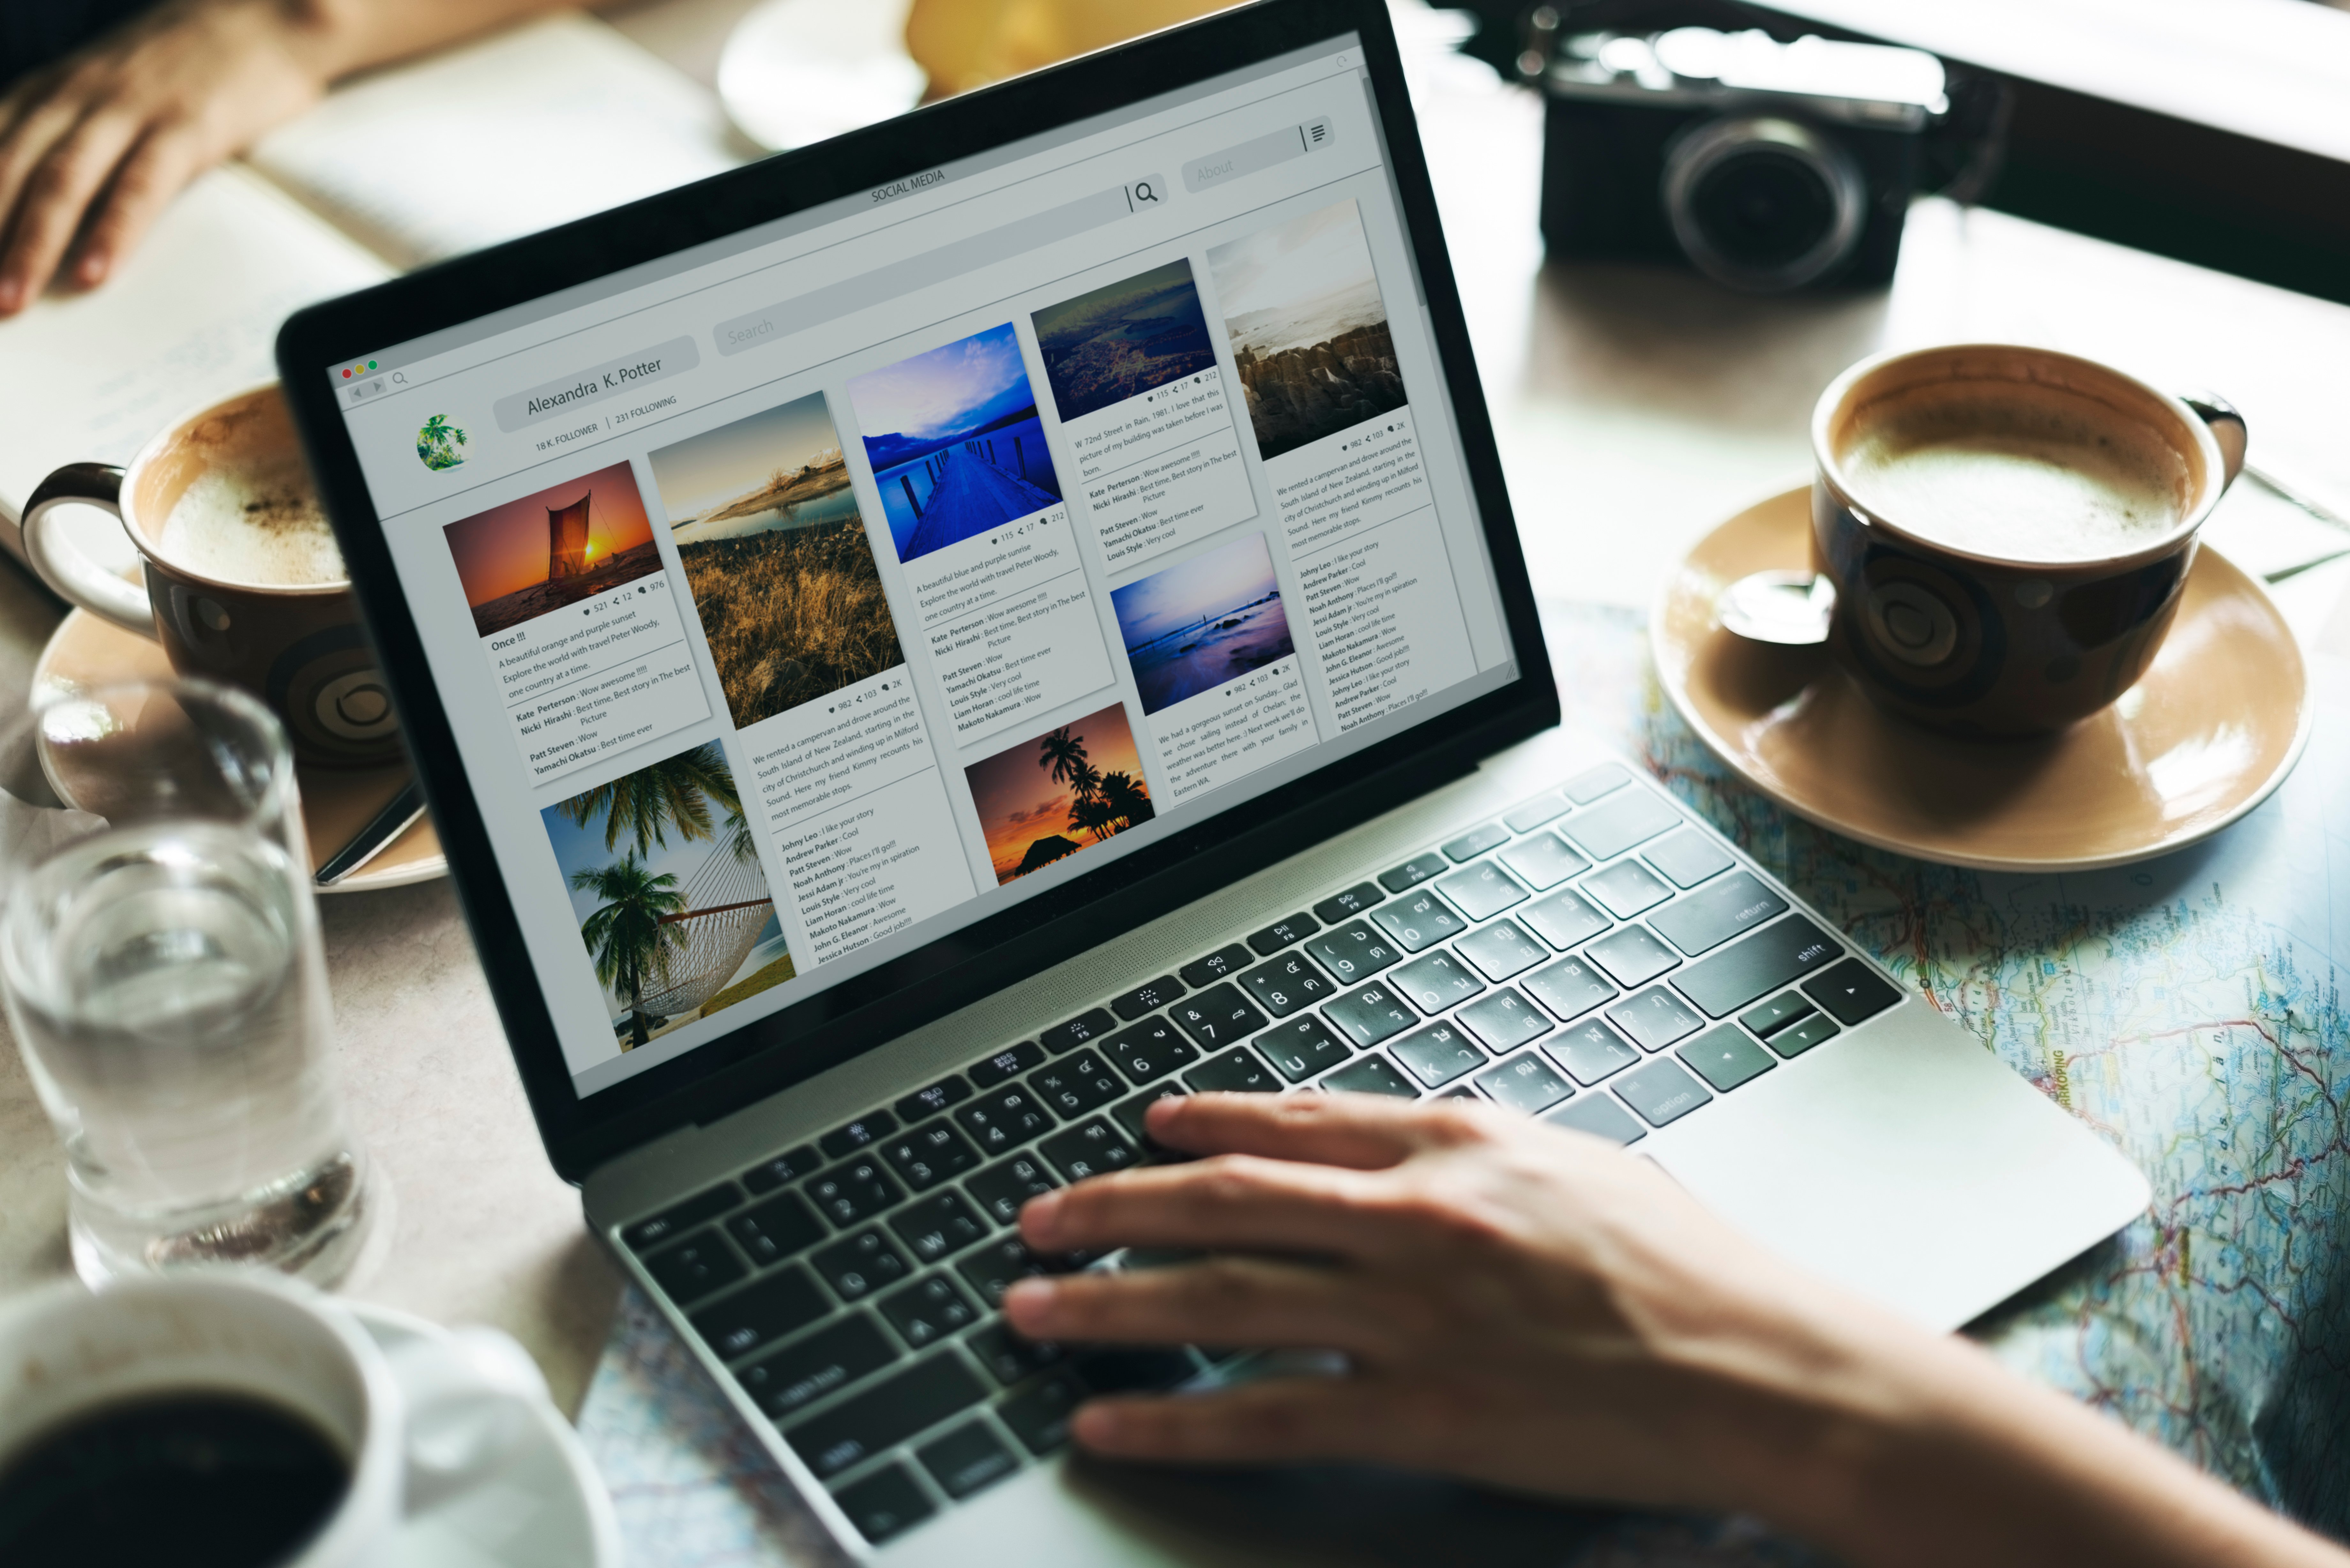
(806, 596)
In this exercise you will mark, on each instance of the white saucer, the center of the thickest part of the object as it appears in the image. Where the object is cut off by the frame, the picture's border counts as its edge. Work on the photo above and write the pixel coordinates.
(537, 1504)
(797, 72)
(2206, 736)
(86, 652)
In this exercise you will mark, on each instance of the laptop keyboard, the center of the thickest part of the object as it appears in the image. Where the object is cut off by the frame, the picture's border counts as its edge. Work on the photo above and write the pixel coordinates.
(1590, 957)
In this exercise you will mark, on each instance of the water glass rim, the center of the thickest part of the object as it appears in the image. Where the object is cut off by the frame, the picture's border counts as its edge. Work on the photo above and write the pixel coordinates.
(265, 794)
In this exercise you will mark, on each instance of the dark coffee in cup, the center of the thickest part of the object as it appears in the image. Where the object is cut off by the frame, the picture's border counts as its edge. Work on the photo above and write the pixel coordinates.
(196, 1478)
(2008, 529)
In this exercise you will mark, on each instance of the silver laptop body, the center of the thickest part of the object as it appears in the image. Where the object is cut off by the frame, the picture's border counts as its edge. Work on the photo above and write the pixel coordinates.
(1897, 1156)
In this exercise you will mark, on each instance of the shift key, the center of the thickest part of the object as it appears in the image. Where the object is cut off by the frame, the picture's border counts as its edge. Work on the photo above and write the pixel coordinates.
(1745, 970)
(885, 1415)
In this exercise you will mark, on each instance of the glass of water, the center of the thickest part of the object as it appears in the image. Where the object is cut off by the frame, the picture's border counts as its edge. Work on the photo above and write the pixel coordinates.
(164, 977)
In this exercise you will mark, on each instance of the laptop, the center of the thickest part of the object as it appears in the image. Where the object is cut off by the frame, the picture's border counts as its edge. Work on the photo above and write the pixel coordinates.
(923, 645)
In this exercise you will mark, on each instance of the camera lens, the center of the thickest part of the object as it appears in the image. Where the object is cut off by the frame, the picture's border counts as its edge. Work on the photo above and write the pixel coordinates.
(1763, 204)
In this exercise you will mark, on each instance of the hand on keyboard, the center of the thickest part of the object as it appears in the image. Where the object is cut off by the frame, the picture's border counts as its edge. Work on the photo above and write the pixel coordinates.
(1532, 1308)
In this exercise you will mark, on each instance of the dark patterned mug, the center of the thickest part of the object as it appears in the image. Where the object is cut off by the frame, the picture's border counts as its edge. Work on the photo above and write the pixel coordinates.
(2009, 530)
(296, 644)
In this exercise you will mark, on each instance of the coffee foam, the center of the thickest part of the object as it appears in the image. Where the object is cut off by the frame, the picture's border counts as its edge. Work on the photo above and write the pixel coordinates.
(253, 525)
(2015, 471)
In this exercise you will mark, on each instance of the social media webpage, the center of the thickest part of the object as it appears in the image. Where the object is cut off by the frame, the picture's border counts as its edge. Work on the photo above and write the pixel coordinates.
(795, 606)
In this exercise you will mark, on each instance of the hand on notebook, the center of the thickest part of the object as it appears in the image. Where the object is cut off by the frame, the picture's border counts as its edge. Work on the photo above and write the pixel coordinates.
(1533, 1309)
(94, 147)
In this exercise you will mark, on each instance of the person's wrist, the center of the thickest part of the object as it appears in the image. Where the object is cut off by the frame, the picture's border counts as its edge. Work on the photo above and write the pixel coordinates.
(322, 40)
(1899, 1437)
(1806, 1415)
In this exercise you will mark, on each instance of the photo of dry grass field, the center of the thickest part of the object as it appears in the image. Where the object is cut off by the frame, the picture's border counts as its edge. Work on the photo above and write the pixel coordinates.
(776, 557)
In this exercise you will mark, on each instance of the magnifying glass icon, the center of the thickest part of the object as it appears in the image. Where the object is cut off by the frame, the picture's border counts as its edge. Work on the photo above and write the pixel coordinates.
(1143, 193)
(400, 377)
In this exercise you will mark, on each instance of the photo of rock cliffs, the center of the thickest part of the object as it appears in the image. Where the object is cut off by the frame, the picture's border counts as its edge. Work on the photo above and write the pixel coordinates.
(1308, 328)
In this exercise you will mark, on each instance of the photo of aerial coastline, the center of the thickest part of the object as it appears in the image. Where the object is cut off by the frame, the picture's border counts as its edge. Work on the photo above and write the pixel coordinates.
(1307, 328)
(672, 904)
(1202, 622)
(1125, 338)
(776, 557)
(1044, 799)
(569, 542)
(962, 449)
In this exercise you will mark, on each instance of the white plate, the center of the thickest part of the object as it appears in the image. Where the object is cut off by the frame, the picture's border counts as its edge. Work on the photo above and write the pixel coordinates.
(86, 652)
(537, 1504)
(797, 72)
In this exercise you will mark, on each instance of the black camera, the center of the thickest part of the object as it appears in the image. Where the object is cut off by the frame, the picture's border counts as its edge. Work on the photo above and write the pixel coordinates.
(1768, 166)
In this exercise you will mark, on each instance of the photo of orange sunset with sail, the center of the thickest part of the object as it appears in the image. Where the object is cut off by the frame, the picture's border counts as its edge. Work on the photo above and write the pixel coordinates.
(568, 542)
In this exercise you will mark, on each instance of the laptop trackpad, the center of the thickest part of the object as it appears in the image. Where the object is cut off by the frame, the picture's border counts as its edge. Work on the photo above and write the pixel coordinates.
(1337, 1514)
(1086, 1513)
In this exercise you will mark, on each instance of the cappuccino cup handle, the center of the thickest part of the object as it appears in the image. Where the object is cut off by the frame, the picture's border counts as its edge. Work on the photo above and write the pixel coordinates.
(2227, 426)
(74, 576)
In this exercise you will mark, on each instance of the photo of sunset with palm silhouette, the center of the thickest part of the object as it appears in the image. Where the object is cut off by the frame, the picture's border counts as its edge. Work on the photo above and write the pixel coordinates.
(1046, 799)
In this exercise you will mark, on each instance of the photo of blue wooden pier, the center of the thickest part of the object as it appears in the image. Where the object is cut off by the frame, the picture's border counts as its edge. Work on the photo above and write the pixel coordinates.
(963, 449)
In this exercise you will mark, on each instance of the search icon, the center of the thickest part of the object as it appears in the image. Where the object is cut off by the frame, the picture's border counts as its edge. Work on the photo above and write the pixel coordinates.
(1143, 193)
(1152, 189)
(400, 377)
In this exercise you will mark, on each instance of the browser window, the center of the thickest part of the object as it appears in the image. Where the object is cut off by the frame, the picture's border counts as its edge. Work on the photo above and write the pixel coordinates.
(804, 597)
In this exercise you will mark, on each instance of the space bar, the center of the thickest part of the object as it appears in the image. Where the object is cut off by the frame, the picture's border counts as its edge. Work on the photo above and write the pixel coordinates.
(885, 1413)
(1749, 967)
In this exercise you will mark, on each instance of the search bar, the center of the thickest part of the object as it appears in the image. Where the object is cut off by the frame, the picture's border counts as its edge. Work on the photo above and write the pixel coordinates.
(1263, 152)
(785, 317)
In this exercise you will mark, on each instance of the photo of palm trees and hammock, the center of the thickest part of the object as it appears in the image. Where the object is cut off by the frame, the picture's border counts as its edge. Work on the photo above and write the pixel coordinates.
(673, 904)
(1046, 799)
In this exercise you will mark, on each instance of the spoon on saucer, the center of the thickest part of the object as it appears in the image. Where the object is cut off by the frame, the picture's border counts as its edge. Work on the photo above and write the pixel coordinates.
(1791, 608)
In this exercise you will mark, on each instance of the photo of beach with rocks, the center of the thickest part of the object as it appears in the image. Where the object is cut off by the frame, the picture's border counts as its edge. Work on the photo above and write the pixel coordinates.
(1202, 622)
(673, 904)
(1046, 799)
(960, 449)
(777, 559)
(1308, 330)
(568, 543)
(1124, 337)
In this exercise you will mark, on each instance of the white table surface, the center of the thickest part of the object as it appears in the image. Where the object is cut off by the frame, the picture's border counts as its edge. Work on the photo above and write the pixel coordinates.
(1634, 408)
